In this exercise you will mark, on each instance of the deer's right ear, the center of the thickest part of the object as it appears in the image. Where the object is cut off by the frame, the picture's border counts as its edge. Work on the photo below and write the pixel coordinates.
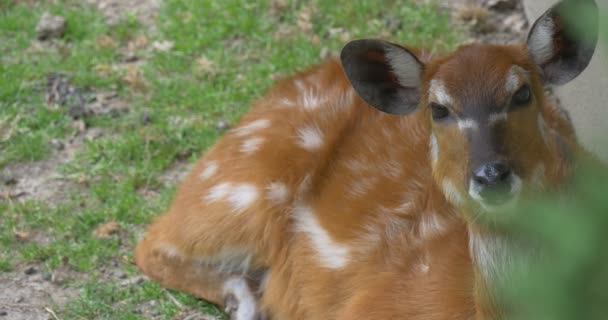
(385, 75)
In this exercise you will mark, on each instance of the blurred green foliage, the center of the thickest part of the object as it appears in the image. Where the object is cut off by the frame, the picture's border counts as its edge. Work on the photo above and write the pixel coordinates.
(566, 277)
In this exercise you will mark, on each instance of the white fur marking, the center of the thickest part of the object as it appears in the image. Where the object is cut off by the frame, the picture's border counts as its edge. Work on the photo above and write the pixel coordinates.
(311, 100)
(434, 149)
(242, 196)
(513, 82)
(209, 170)
(405, 66)
(331, 254)
(497, 117)
(540, 44)
(491, 254)
(218, 192)
(277, 192)
(440, 92)
(252, 127)
(169, 250)
(310, 138)
(464, 124)
(251, 145)
(238, 287)
(451, 193)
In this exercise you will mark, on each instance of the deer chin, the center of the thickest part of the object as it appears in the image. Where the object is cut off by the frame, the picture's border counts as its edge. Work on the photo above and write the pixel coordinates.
(509, 202)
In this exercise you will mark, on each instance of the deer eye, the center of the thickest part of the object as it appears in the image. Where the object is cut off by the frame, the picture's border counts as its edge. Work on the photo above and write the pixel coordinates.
(439, 112)
(522, 96)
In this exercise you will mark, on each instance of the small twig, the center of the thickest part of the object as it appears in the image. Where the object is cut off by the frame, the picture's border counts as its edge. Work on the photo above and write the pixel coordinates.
(177, 303)
(53, 314)
(19, 306)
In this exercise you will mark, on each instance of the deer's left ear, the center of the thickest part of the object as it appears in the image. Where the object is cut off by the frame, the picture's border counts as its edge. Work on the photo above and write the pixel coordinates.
(385, 75)
(562, 41)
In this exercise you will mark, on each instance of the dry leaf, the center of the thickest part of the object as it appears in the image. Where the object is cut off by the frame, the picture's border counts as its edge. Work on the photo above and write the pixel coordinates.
(106, 230)
(22, 235)
(140, 42)
(304, 19)
(135, 78)
(106, 41)
(206, 66)
(163, 45)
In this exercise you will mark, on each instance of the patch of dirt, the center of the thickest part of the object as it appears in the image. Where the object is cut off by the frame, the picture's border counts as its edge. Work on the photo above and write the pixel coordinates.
(176, 173)
(39, 180)
(43, 180)
(490, 21)
(116, 10)
(27, 294)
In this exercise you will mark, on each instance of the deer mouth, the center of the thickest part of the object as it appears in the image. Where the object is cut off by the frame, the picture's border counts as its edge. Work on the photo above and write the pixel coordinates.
(492, 199)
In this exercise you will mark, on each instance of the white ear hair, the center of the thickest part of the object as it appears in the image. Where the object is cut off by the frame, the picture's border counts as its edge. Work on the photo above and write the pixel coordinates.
(540, 44)
(405, 66)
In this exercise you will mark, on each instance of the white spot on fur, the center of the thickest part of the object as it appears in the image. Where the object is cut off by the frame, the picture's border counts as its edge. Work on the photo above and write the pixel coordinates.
(405, 66)
(434, 149)
(242, 196)
(497, 117)
(440, 92)
(540, 43)
(252, 127)
(311, 99)
(464, 124)
(218, 192)
(169, 250)
(209, 171)
(239, 196)
(251, 145)
(451, 193)
(331, 254)
(310, 138)
(423, 268)
(287, 102)
(238, 287)
(277, 192)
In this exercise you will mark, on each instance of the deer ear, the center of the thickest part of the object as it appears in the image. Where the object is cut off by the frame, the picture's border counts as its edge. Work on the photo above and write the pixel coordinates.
(562, 41)
(385, 75)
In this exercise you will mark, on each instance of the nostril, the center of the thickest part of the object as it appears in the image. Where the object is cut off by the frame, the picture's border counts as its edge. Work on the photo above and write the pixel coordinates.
(480, 179)
(498, 172)
(494, 173)
(504, 175)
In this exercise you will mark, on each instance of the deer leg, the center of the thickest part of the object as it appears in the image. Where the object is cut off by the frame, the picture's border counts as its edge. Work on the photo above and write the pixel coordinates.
(224, 278)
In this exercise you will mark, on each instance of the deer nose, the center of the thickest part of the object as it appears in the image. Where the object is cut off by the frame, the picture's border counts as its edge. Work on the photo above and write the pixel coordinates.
(493, 178)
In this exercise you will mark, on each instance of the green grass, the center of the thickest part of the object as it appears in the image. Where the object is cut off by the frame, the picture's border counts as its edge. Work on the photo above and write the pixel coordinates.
(247, 47)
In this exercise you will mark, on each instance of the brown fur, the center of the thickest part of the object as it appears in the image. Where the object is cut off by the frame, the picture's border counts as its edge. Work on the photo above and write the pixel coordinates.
(372, 188)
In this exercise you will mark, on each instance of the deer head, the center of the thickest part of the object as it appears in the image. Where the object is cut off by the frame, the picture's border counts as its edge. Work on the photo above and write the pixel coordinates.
(482, 103)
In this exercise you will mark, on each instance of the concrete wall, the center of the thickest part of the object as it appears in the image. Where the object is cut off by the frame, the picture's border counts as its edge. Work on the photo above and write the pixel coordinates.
(586, 97)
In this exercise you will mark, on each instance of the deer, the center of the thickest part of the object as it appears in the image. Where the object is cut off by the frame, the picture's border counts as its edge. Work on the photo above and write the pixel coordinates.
(353, 189)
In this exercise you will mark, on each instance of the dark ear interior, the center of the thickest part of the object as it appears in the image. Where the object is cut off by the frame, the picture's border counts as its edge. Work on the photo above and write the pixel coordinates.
(562, 41)
(385, 75)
